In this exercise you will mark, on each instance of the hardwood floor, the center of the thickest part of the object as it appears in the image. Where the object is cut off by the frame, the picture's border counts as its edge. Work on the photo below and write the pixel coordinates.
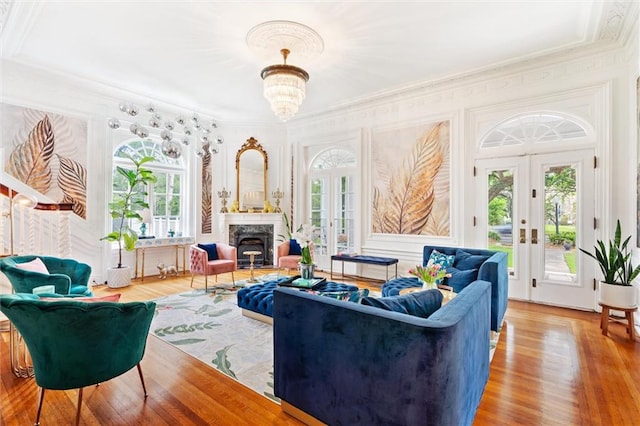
(552, 367)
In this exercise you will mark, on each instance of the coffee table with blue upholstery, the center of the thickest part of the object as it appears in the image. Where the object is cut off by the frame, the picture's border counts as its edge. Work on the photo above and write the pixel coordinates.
(256, 301)
(393, 287)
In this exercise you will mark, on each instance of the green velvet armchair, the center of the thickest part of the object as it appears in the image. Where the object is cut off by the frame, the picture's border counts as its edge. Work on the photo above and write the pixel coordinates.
(68, 276)
(77, 343)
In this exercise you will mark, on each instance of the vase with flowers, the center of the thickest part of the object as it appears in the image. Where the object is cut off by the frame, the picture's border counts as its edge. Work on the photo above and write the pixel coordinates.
(304, 236)
(431, 275)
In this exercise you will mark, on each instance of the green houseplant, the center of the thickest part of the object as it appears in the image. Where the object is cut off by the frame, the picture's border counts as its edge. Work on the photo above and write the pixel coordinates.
(125, 207)
(614, 260)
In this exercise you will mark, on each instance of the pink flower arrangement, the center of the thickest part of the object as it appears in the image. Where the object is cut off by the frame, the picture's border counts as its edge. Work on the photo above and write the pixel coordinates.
(431, 274)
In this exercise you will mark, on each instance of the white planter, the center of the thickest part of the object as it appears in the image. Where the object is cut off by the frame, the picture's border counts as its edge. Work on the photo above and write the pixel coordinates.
(620, 296)
(118, 277)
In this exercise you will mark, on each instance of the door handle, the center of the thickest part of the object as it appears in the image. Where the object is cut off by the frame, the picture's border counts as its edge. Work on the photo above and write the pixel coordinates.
(523, 236)
(534, 236)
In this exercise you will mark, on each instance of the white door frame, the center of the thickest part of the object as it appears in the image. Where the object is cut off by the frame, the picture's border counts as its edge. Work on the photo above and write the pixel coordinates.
(529, 279)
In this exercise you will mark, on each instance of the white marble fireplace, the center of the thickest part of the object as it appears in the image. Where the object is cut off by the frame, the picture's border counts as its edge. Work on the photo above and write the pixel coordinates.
(237, 228)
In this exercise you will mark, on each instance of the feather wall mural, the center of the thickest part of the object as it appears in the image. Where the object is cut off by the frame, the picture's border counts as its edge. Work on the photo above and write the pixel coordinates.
(411, 180)
(207, 185)
(47, 151)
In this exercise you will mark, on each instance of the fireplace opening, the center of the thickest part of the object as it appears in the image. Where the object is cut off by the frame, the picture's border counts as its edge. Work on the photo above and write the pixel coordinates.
(253, 238)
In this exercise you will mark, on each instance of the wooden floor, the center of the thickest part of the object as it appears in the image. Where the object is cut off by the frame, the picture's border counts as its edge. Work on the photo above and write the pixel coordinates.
(552, 367)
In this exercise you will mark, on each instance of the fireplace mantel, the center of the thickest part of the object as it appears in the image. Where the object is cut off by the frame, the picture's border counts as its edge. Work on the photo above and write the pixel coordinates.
(274, 219)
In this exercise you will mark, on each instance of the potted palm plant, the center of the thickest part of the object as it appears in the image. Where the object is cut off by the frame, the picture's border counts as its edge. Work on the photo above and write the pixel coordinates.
(616, 288)
(123, 208)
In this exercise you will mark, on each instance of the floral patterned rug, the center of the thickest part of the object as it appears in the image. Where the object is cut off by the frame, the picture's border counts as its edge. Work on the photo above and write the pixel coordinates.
(210, 327)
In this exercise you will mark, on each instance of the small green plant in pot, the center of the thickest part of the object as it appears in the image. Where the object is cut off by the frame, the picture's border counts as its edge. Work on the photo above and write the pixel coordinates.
(125, 207)
(614, 260)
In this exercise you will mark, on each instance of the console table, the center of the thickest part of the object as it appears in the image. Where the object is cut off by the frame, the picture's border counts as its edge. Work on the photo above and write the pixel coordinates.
(179, 243)
(371, 260)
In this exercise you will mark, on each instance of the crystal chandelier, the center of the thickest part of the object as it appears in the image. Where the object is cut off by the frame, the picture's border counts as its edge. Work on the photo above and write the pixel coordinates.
(284, 87)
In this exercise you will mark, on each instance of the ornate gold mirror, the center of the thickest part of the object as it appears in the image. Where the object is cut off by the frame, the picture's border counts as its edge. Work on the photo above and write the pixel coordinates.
(251, 175)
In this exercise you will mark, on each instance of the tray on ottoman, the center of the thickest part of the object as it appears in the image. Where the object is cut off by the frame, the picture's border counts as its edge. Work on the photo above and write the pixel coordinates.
(299, 282)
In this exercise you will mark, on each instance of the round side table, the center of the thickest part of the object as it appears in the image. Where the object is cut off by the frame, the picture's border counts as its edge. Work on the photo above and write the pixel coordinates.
(252, 254)
(447, 292)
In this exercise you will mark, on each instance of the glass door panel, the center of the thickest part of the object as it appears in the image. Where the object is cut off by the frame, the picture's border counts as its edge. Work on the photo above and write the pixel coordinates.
(537, 209)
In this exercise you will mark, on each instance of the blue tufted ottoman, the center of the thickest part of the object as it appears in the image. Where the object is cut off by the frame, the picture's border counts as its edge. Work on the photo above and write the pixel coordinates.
(257, 301)
(393, 287)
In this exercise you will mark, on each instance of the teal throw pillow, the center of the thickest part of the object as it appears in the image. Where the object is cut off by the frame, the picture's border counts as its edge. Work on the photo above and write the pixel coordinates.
(445, 260)
(294, 248)
(419, 304)
(211, 249)
(465, 260)
(459, 279)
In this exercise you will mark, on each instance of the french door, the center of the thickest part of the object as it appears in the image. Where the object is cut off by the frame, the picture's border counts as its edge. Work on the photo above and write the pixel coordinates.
(539, 209)
(332, 212)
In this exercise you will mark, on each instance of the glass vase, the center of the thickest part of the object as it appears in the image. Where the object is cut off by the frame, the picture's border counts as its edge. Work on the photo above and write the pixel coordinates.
(427, 285)
(307, 270)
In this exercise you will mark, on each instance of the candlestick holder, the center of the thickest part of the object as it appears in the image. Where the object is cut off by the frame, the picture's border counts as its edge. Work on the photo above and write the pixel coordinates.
(277, 194)
(224, 194)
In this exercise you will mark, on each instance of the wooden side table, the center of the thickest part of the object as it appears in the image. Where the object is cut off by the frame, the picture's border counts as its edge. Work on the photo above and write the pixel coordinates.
(628, 312)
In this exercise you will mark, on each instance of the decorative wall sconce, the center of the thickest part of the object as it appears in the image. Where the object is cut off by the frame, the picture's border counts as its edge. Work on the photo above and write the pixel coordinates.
(175, 132)
(224, 194)
(277, 195)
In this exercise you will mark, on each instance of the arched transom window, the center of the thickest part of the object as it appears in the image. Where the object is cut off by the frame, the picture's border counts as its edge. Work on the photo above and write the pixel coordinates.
(334, 158)
(534, 129)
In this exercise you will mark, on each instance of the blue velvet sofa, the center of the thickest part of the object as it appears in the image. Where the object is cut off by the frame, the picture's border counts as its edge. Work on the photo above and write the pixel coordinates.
(477, 264)
(349, 364)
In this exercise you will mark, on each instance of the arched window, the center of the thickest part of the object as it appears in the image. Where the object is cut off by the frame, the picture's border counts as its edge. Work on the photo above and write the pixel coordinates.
(334, 158)
(165, 197)
(534, 129)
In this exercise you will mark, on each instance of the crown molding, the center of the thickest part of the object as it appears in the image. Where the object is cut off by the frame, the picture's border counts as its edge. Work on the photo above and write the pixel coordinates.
(615, 16)
(17, 19)
(5, 5)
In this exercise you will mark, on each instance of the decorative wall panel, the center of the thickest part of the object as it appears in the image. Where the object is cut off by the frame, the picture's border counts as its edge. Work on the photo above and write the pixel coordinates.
(411, 180)
(47, 152)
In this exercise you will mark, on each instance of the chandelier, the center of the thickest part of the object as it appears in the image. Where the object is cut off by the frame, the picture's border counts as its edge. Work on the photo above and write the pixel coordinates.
(284, 87)
(170, 129)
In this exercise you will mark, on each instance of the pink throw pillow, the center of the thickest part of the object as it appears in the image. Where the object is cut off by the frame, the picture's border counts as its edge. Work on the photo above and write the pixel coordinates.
(108, 298)
(36, 265)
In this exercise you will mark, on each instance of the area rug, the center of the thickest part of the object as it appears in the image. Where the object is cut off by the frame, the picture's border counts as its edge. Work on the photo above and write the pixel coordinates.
(210, 327)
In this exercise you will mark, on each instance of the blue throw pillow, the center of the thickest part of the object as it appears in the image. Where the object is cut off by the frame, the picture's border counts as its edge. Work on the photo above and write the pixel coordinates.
(211, 249)
(419, 304)
(445, 260)
(459, 279)
(465, 260)
(294, 248)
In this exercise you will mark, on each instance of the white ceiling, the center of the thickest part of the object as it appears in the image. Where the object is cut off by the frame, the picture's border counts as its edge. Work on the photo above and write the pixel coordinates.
(193, 53)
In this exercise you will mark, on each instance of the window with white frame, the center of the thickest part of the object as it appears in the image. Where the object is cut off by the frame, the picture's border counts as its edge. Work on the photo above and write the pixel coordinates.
(165, 197)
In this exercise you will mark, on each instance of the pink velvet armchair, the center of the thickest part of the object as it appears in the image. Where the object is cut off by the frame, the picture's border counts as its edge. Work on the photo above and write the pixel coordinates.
(286, 260)
(200, 264)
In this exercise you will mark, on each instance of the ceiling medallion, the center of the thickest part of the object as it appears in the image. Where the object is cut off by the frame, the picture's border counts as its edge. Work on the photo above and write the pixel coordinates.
(285, 85)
